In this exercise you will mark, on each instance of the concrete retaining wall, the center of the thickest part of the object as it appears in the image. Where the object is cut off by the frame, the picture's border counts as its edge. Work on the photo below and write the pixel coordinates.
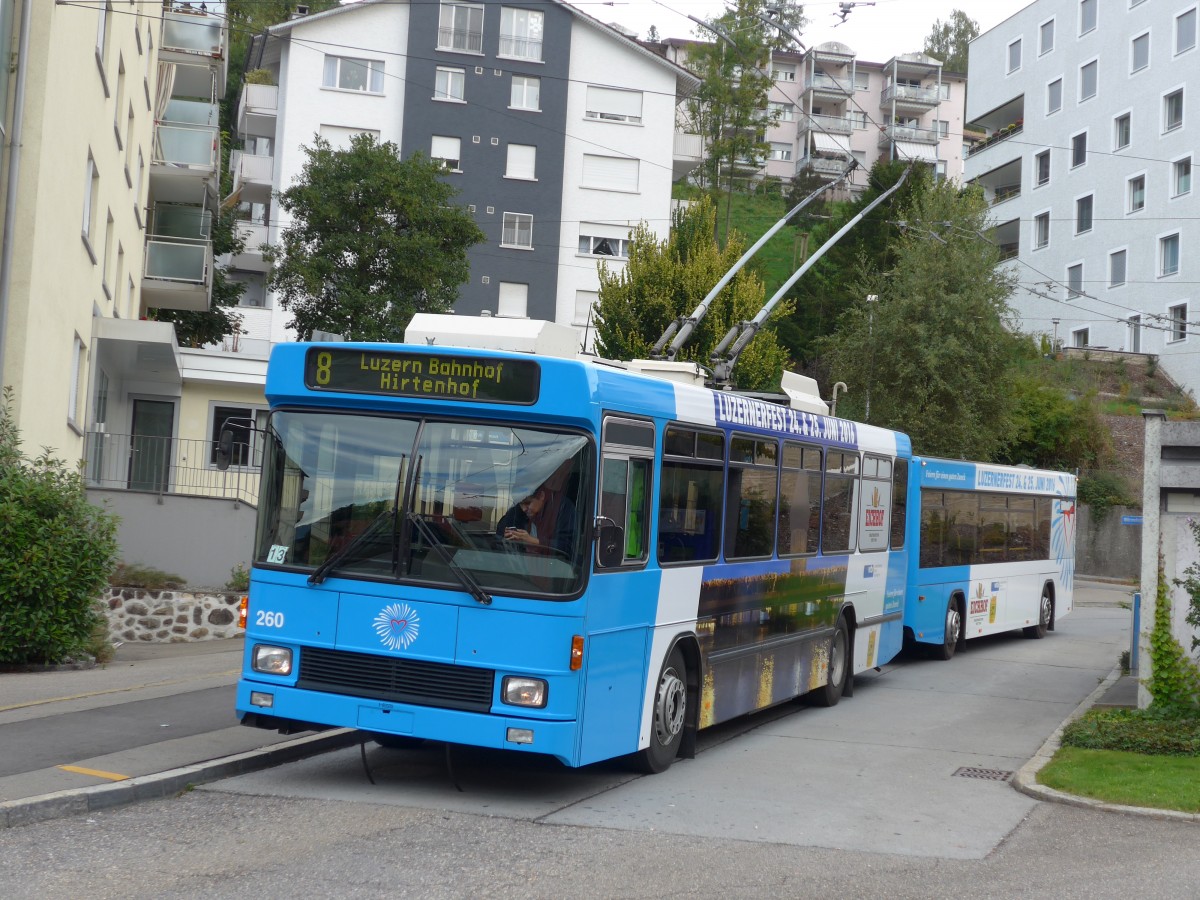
(1106, 548)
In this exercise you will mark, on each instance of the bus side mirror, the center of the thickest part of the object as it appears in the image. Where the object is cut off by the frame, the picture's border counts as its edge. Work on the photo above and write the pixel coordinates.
(225, 449)
(610, 543)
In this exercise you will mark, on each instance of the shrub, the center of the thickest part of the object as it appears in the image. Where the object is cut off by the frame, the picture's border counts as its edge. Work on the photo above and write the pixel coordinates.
(56, 551)
(147, 577)
(239, 579)
(1104, 490)
(1136, 731)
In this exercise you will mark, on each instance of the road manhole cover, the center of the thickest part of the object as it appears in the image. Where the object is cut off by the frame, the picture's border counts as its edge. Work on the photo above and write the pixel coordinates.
(985, 774)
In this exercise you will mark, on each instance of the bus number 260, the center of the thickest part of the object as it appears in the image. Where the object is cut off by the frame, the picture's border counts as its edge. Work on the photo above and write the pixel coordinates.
(268, 619)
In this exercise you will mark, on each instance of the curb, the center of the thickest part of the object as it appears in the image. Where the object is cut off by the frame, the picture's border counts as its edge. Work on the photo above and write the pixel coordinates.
(1026, 781)
(28, 810)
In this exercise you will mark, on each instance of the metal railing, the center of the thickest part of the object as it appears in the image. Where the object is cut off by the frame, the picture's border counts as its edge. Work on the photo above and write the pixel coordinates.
(910, 93)
(165, 465)
(520, 47)
(460, 39)
(997, 137)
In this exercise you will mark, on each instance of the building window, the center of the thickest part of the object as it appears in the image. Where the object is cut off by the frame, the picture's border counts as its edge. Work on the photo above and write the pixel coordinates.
(598, 245)
(1137, 193)
(460, 27)
(1046, 37)
(521, 33)
(610, 173)
(109, 237)
(1181, 176)
(348, 74)
(447, 151)
(1014, 56)
(450, 84)
(614, 106)
(1087, 16)
(246, 424)
(526, 92)
(1135, 334)
(1054, 96)
(1173, 110)
(1168, 255)
(1041, 230)
(1121, 131)
(254, 290)
(782, 112)
(1041, 169)
(91, 192)
(1178, 316)
(1087, 80)
(1185, 31)
(1083, 214)
(513, 301)
(522, 162)
(781, 151)
(1116, 268)
(1140, 53)
(1074, 281)
(76, 377)
(518, 231)
(1078, 149)
(1079, 338)
(858, 119)
(942, 127)
(784, 73)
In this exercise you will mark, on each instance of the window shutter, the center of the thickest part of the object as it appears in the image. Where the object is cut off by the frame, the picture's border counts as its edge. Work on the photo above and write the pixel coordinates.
(612, 173)
(607, 102)
(522, 161)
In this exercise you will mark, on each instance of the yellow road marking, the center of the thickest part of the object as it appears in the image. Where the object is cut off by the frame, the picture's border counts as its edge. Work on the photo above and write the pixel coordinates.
(111, 776)
(125, 690)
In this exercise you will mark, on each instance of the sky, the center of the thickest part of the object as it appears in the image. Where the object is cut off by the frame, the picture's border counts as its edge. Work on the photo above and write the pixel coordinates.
(875, 32)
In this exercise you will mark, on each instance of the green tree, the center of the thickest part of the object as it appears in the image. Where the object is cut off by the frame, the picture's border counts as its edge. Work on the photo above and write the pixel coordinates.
(373, 239)
(1052, 430)
(730, 108)
(948, 41)
(933, 356)
(196, 328)
(667, 279)
(56, 553)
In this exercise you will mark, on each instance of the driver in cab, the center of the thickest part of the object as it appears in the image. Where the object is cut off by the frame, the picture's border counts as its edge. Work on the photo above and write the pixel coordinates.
(542, 519)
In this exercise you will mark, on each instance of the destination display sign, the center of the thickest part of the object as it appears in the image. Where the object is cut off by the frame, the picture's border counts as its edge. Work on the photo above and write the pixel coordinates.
(432, 376)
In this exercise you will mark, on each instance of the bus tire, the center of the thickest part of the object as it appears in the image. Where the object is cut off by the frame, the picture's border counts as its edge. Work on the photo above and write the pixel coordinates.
(839, 668)
(1045, 613)
(954, 624)
(669, 717)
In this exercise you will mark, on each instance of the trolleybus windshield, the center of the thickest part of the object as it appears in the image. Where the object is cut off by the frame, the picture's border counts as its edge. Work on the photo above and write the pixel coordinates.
(342, 495)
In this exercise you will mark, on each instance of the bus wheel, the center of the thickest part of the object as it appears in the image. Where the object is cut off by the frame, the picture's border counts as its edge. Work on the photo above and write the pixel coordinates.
(670, 714)
(839, 658)
(953, 630)
(1045, 610)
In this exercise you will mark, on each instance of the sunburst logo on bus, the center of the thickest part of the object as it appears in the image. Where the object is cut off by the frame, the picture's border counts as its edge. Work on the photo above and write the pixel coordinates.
(397, 626)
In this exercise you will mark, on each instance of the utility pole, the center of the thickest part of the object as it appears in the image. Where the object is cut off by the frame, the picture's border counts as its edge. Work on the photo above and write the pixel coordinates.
(872, 299)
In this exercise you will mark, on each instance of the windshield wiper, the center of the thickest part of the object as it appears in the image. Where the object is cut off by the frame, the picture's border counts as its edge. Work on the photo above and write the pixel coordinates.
(465, 578)
(338, 556)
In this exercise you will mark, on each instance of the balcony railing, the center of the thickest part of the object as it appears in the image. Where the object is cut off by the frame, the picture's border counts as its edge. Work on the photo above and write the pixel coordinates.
(164, 465)
(1010, 251)
(520, 47)
(1007, 192)
(824, 165)
(258, 109)
(460, 39)
(688, 146)
(908, 93)
(828, 83)
(185, 145)
(178, 259)
(996, 137)
(829, 124)
(907, 133)
(193, 31)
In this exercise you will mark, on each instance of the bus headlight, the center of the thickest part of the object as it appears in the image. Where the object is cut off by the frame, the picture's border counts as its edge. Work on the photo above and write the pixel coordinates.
(272, 660)
(517, 691)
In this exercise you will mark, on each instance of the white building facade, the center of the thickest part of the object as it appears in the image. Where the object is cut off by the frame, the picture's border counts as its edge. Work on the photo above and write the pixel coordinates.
(1091, 116)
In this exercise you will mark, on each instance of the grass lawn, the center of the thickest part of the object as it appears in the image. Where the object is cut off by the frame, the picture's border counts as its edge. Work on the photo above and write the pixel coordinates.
(1133, 779)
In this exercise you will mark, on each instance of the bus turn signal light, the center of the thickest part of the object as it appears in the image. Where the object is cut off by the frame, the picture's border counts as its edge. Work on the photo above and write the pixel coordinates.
(243, 610)
(577, 653)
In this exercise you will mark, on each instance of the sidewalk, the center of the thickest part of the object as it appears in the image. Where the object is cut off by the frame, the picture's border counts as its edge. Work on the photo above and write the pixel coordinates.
(154, 720)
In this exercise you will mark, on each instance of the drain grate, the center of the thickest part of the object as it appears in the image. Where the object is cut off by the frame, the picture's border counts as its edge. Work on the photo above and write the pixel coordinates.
(985, 774)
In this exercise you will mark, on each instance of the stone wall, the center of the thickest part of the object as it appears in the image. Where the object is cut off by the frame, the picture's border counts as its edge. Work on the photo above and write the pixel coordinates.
(1106, 546)
(170, 617)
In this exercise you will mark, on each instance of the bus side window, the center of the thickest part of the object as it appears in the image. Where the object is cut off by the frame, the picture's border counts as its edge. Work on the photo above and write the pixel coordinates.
(837, 506)
(690, 496)
(899, 503)
(625, 485)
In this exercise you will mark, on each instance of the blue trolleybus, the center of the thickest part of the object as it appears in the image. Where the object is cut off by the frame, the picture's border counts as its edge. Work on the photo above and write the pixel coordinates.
(993, 550)
(561, 556)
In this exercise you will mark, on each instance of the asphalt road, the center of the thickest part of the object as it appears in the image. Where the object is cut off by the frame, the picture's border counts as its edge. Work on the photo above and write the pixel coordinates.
(865, 800)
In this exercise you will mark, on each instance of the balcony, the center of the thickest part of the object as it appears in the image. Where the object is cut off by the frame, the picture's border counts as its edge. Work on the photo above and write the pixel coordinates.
(997, 137)
(907, 133)
(823, 165)
(1002, 183)
(178, 273)
(825, 124)
(191, 35)
(909, 98)
(253, 235)
(183, 159)
(252, 176)
(165, 465)
(258, 110)
(829, 87)
(688, 153)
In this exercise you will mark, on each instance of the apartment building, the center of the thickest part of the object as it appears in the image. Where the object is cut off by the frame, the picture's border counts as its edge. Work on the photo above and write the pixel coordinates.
(1091, 124)
(556, 130)
(830, 107)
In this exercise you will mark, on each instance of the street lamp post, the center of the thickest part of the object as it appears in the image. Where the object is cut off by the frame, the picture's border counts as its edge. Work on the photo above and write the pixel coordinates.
(872, 299)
